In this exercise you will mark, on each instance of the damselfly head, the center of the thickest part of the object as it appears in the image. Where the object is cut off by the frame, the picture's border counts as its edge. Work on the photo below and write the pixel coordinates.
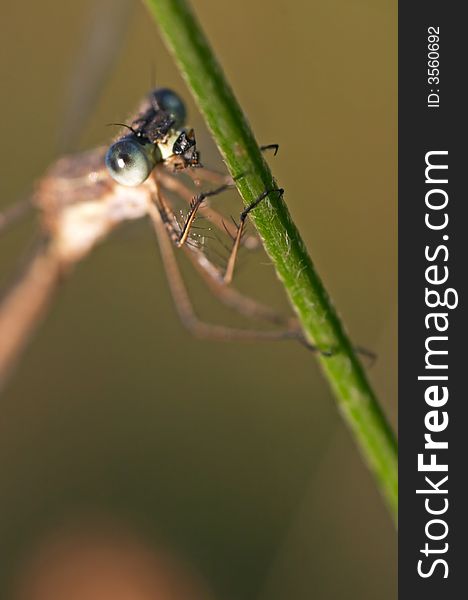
(157, 134)
(130, 160)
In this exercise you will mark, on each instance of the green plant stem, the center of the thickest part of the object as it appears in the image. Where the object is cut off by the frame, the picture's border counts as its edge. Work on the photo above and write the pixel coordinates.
(356, 400)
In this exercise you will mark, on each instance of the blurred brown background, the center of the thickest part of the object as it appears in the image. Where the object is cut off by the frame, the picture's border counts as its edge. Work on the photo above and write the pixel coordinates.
(233, 454)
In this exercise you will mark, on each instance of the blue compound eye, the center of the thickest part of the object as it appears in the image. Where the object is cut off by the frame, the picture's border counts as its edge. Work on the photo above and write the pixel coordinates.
(170, 102)
(129, 162)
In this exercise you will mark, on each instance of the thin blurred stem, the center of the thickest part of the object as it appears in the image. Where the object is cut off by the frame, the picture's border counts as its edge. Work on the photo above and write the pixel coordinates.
(356, 399)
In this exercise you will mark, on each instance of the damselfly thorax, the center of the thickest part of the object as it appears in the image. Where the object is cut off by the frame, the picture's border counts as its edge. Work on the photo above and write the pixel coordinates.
(82, 198)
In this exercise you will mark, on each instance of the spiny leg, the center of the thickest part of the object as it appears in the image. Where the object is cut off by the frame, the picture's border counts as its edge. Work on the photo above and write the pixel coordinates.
(225, 183)
(164, 209)
(175, 185)
(212, 275)
(195, 204)
(184, 306)
(229, 273)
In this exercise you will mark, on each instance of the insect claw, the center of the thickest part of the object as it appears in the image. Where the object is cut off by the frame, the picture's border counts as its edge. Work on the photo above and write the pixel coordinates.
(274, 147)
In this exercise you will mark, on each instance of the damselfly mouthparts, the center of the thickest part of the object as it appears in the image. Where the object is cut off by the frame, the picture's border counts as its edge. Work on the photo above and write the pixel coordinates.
(82, 198)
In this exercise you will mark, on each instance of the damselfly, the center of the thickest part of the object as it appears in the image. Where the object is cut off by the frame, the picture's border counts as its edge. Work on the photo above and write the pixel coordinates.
(82, 198)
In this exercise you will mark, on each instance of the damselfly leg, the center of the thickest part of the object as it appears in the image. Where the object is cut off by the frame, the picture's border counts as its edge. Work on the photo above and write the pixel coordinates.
(229, 273)
(233, 299)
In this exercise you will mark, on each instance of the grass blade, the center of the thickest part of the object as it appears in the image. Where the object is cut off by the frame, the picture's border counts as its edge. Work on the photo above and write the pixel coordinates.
(283, 243)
